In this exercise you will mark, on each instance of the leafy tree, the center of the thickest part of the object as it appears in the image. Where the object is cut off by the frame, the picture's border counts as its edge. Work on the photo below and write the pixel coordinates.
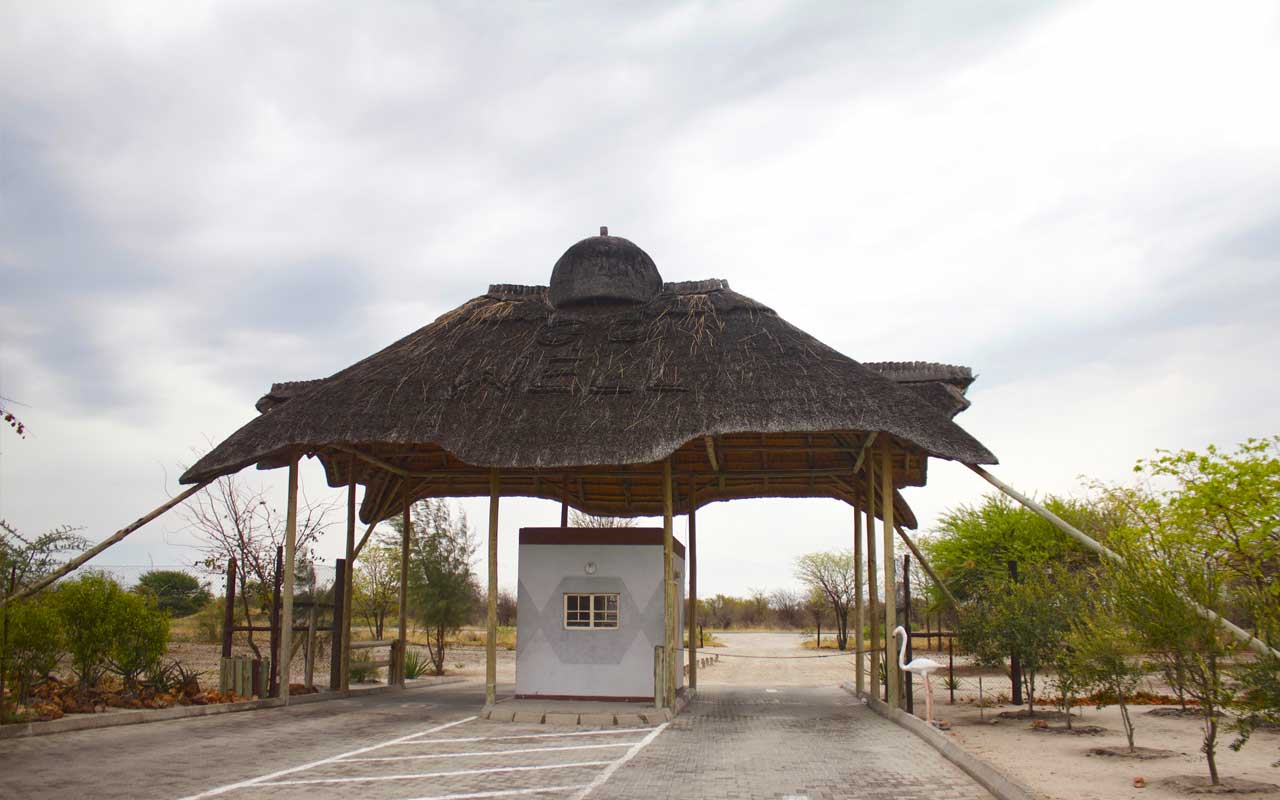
(140, 635)
(377, 586)
(25, 559)
(176, 593)
(1027, 618)
(86, 608)
(972, 546)
(1159, 575)
(506, 609)
(1109, 658)
(1227, 505)
(35, 643)
(832, 575)
(442, 589)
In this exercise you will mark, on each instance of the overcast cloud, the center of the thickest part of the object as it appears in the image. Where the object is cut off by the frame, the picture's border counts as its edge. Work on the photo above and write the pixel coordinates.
(1081, 201)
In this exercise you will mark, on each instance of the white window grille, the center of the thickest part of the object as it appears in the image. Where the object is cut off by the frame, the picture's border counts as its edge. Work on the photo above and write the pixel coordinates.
(591, 611)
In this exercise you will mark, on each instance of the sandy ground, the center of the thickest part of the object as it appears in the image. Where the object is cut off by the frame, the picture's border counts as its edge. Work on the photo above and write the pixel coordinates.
(1054, 766)
(1059, 766)
(772, 658)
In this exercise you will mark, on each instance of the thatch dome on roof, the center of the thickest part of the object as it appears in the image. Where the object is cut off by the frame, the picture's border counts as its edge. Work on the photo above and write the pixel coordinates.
(604, 269)
(608, 366)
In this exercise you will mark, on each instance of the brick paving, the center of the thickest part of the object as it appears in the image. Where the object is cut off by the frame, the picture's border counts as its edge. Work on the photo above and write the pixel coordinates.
(732, 742)
(748, 743)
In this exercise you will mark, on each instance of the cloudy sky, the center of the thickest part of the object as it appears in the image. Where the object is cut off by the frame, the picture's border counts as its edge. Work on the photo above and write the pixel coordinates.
(1080, 200)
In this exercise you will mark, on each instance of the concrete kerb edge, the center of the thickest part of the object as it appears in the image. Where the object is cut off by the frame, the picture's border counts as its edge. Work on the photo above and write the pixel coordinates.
(990, 778)
(85, 722)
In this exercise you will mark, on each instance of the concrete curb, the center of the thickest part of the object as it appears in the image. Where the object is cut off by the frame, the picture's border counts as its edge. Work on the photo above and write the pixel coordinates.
(84, 722)
(990, 778)
(559, 715)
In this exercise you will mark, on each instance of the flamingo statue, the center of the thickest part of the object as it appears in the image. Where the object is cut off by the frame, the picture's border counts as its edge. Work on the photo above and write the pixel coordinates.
(918, 666)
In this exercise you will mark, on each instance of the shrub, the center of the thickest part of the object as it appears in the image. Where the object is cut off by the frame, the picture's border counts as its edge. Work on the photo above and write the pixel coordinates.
(176, 592)
(363, 671)
(84, 607)
(414, 665)
(209, 621)
(140, 636)
(35, 643)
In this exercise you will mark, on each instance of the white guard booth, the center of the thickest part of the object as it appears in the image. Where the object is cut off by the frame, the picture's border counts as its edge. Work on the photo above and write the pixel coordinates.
(589, 613)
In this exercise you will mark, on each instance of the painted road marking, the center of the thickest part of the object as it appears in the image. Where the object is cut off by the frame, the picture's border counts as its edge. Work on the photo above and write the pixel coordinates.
(256, 781)
(418, 775)
(771, 691)
(502, 792)
(489, 752)
(610, 732)
(613, 767)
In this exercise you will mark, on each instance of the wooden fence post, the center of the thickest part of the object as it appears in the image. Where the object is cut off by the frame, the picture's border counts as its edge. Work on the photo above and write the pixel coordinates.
(273, 688)
(229, 613)
(337, 642)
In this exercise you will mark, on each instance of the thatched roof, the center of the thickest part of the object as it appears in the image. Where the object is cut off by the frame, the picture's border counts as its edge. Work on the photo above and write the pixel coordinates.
(607, 367)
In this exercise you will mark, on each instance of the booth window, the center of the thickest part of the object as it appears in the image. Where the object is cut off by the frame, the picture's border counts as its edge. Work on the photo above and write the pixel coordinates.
(591, 611)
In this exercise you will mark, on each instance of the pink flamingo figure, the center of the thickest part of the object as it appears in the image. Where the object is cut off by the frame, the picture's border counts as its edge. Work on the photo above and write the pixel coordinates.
(918, 666)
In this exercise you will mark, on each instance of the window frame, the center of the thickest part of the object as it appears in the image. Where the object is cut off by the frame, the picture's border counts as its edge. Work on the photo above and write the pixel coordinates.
(596, 618)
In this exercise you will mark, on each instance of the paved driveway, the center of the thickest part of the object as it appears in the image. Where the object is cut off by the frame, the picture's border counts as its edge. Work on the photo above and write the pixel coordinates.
(740, 742)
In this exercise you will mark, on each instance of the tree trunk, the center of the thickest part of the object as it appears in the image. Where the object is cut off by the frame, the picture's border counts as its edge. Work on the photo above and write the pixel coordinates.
(248, 617)
(1031, 692)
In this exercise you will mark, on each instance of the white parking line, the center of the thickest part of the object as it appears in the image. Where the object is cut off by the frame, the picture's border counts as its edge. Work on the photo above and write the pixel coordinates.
(490, 752)
(613, 767)
(611, 732)
(256, 781)
(418, 775)
(502, 792)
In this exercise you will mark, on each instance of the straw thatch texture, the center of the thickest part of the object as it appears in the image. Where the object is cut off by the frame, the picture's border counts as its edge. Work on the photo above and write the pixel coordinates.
(578, 392)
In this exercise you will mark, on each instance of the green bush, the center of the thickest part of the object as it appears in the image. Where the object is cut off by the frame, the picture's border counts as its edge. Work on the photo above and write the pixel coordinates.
(363, 671)
(209, 621)
(85, 607)
(35, 643)
(140, 636)
(414, 664)
(176, 592)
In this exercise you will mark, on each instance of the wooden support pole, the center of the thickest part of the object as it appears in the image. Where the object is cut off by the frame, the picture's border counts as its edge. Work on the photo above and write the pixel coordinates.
(669, 586)
(286, 600)
(859, 669)
(693, 595)
(908, 693)
(873, 592)
(114, 538)
(309, 660)
(491, 614)
(924, 565)
(273, 667)
(339, 633)
(890, 582)
(1257, 645)
(229, 609)
(348, 575)
(402, 636)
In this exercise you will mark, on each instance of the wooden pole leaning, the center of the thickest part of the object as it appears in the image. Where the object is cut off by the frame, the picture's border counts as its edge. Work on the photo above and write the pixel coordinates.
(669, 589)
(1257, 645)
(873, 592)
(859, 669)
(286, 599)
(402, 632)
(890, 583)
(114, 538)
(348, 580)
(491, 613)
(693, 595)
(924, 564)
